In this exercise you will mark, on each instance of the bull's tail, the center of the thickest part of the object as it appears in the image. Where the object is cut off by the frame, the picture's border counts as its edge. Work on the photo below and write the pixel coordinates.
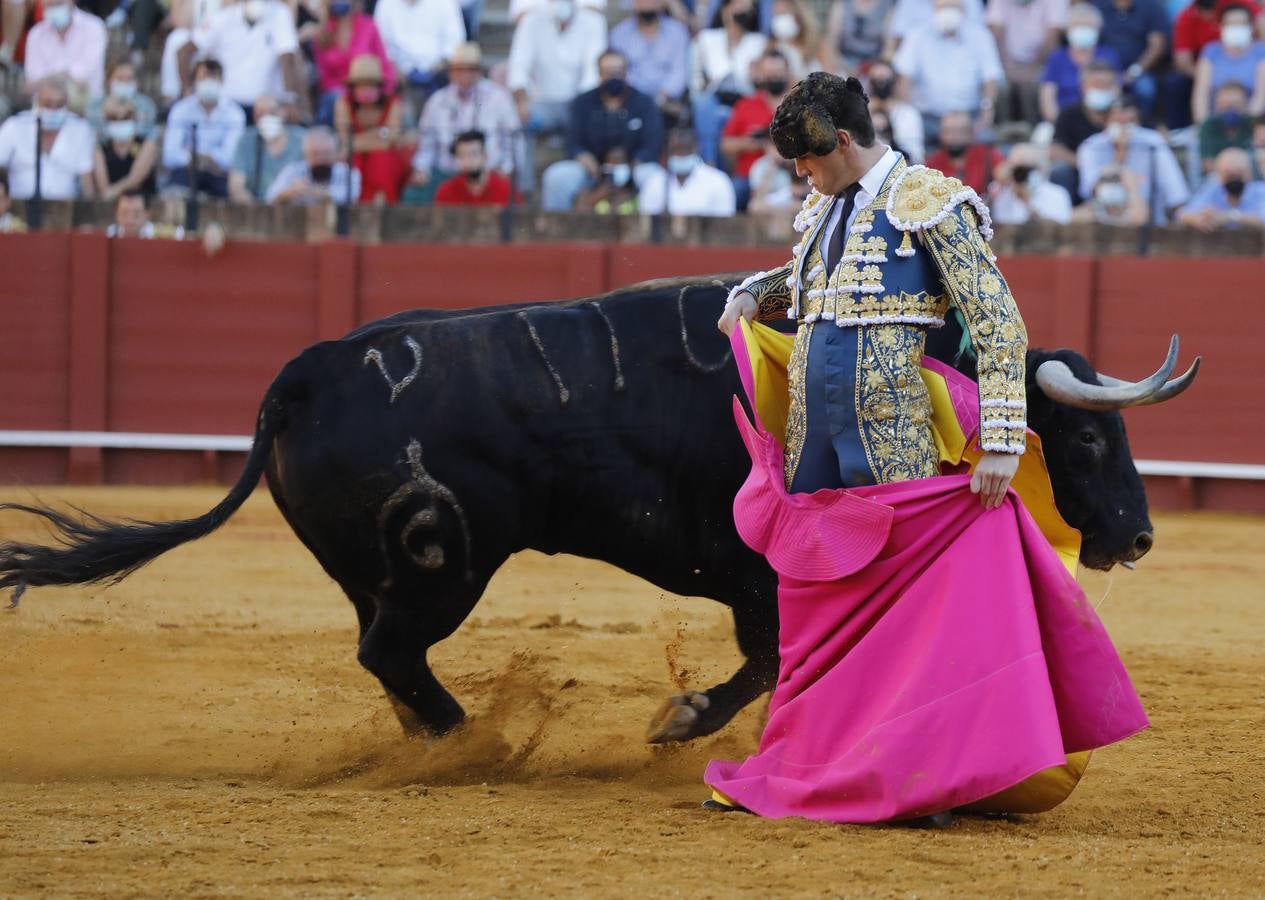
(91, 550)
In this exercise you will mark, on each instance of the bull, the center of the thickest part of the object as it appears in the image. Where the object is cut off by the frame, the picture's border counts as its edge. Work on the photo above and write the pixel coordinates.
(415, 455)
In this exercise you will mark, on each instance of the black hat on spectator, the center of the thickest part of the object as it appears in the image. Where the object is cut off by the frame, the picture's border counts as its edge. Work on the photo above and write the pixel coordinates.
(807, 119)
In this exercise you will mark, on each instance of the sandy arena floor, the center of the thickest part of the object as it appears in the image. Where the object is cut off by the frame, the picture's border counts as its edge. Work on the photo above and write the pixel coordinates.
(204, 729)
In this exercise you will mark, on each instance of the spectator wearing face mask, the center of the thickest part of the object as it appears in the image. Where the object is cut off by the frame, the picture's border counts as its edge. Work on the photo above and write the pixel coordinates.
(1236, 58)
(259, 49)
(319, 177)
(1100, 90)
(1124, 143)
(419, 35)
(263, 151)
(1026, 32)
(1228, 126)
(125, 161)
(9, 223)
(1229, 198)
(657, 49)
(905, 120)
(793, 32)
(347, 35)
(69, 43)
(688, 186)
(469, 102)
(746, 134)
(721, 61)
(66, 147)
(912, 15)
(121, 85)
(611, 114)
(1138, 31)
(961, 156)
(475, 184)
(218, 124)
(772, 183)
(1117, 199)
(1196, 26)
(1066, 67)
(1022, 193)
(553, 59)
(615, 192)
(949, 63)
(856, 33)
(367, 117)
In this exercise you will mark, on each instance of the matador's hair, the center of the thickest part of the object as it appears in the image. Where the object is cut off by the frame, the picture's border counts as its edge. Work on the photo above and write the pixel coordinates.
(806, 120)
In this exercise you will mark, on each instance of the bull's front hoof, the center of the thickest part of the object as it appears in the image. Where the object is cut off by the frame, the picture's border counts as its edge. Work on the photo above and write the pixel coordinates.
(678, 718)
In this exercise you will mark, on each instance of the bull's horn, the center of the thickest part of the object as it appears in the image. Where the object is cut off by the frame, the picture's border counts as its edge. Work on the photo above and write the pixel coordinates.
(1061, 384)
(1168, 391)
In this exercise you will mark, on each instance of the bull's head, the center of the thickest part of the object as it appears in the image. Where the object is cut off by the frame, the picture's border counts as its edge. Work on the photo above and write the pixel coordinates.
(1077, 412)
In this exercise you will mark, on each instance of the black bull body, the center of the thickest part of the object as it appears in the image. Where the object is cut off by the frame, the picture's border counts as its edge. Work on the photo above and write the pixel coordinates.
(414, 456)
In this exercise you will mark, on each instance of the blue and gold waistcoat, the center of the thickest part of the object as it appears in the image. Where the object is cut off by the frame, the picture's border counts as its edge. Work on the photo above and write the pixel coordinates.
(918, 248)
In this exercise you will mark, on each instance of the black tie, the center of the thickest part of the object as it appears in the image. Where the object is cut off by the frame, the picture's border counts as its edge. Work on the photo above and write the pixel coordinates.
(834, 249)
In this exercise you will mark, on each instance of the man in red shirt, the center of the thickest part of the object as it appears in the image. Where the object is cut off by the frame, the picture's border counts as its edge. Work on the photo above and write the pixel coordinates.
(961, 157)
(474, 184)
(1196, 26)
(746, 134)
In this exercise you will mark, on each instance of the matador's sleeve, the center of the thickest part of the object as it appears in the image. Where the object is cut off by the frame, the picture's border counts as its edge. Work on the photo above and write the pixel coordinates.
(771, 290)
(955, 235)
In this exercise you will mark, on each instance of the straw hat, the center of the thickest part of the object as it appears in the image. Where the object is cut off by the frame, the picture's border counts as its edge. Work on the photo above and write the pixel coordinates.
(365, 69)
(466, 56)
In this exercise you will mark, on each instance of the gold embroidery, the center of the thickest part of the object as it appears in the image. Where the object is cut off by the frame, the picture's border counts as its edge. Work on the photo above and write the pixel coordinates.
(892, 404)
(923, 195)
(979, 291)
(797, 412)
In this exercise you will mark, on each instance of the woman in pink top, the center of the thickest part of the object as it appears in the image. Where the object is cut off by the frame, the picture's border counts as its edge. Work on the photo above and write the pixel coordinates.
(346, 34)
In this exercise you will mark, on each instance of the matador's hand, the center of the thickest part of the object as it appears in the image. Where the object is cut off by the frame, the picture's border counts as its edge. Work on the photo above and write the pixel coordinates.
(992, 477)
(744, 305)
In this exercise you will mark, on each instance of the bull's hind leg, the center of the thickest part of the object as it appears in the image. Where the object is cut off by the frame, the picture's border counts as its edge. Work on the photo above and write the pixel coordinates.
(394, 645)
(695, 713)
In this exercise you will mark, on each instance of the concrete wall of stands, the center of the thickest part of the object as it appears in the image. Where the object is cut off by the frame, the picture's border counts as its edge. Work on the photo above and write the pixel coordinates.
(151, 336)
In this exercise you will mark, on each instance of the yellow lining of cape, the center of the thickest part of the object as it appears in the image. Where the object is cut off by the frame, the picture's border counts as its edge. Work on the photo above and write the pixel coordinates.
(770, 353)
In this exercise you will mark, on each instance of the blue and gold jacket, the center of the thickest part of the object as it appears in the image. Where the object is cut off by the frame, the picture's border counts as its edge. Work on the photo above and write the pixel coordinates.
(918, 248)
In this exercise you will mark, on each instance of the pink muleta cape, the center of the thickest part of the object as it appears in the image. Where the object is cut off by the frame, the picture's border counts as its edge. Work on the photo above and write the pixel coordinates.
(934, 655)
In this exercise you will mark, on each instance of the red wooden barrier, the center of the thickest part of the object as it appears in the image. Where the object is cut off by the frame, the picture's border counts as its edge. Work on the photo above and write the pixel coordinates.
(153, 336)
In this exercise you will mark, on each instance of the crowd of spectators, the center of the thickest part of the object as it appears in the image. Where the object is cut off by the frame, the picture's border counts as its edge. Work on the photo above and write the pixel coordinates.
(1114, 111)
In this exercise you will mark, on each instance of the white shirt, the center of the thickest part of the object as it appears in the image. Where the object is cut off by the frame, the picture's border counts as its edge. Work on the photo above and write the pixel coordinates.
(554, 65)
(79, 51)
(419, 34)
(871, 183)
(1046, 201)
(218, 132)
(705, 192)
(70, 157)
(251, 55)
(711, 60)
(1147, 153)
(948, 71)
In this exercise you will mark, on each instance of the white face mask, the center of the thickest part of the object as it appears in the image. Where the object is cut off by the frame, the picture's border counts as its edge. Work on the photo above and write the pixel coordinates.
(949, 19)
(1100, 99)
(270, 127)
(124, 90)
(121, 131)
(253, 9)
(785, 27)
(207, 90)
(682, 165)
(1111, 193)
(1236, 37)
(58, 16)
(51, 119)
(1082, 37)
(562, 9)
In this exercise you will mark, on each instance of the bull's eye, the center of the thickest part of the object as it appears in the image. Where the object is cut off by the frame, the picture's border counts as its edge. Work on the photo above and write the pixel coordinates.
(1089, 438)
